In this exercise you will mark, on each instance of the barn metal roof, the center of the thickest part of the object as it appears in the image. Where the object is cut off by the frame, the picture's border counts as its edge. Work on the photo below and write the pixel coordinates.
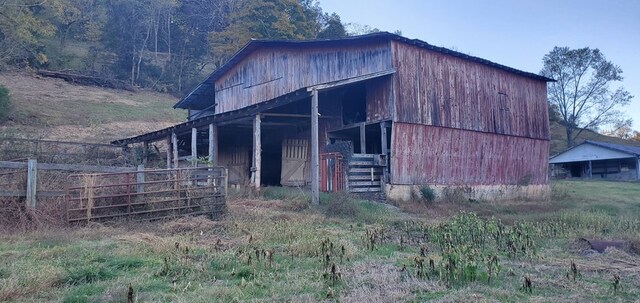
(227, 117)
(622, 151)
(635, 150)
(202, 95)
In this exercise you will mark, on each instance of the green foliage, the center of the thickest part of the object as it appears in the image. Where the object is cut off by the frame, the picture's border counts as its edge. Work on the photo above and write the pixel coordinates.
(88, 274)
(428, 194)
(82, 294)
(5, 102)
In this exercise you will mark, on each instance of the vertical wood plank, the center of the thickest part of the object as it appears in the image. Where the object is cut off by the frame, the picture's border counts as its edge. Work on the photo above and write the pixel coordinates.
(145, 152)
(169, 152)
(257, 153)
(363, 138)
(385, 170)
(194, 146)
(140, 179)
(213, 145)
(32, 181)
(174, 146)
(315, 152)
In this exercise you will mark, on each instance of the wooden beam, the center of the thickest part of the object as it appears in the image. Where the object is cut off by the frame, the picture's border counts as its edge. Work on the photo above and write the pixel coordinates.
(194, 146)
(257, 153)
(168, 142)
(32, 182)
(294, 116)
(213, 145)
(174, 147)
(383, 137)
(67, 167)
(348, 81)
(363, 138)
(315, 151)
(145, 152)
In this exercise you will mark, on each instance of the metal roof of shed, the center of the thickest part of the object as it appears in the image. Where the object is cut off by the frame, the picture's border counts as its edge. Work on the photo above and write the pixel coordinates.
(203, 95)
(602, 151)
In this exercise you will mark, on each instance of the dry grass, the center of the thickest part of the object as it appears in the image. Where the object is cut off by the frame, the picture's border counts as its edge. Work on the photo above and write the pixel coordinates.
(196, 259)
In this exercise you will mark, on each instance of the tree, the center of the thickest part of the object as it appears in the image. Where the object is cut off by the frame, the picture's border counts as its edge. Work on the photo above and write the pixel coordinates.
(21, 30)
(622, 129)
(263, 19)
(333, 27)
(581, 93)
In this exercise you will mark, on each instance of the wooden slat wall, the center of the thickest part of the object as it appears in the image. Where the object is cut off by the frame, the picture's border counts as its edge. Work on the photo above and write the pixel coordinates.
(379, 99)
(437, 89)
(435, 155)
(269, 73)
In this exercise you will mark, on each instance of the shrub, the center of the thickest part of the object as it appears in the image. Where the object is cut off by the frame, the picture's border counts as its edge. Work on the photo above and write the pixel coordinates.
(340, 205)
(428, 194)
(5, 102)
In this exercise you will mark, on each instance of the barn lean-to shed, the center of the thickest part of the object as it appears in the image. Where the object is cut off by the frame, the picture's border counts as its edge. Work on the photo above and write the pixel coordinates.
(403, 113)
(597, 160)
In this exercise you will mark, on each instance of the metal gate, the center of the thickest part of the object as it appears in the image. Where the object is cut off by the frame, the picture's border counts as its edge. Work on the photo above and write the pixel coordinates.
(331, 172)
(363, 173)
(146, 194)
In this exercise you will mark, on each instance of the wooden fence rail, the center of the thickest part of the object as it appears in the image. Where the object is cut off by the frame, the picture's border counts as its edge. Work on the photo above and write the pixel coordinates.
(31, 192)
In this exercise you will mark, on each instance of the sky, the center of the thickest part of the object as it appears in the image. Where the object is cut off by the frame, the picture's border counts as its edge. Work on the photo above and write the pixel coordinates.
(515, 33)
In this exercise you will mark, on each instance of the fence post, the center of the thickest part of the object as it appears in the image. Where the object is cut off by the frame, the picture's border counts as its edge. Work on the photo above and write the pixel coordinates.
(32, 181)
(140, 179)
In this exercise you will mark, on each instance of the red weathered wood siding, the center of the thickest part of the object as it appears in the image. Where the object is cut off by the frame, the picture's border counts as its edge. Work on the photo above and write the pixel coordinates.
(423, 154)
(437, 89)
(379, 99)
(269, 73)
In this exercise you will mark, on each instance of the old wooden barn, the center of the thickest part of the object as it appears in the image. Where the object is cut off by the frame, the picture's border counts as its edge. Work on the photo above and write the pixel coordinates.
(378, 112)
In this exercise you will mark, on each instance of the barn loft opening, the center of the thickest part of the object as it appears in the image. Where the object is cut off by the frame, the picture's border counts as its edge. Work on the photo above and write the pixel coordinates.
(354, 104)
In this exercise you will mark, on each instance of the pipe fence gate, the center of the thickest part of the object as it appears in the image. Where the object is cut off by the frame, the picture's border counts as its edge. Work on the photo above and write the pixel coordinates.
(146, 194)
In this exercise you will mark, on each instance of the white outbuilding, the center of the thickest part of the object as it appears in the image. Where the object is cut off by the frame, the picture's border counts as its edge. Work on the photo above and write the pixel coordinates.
(597, 160)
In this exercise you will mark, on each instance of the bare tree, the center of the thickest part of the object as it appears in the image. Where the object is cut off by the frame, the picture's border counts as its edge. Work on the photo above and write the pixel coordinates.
(581, 93)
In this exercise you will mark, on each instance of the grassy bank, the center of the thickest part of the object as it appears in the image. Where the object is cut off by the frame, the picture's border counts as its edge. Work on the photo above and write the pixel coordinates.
(274, 248)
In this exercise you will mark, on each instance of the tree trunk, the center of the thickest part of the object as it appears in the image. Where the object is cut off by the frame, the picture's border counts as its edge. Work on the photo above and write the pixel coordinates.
(569, 130)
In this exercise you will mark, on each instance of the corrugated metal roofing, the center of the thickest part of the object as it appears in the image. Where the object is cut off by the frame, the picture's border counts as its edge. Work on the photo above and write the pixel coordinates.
(619, 147)
(201, 96)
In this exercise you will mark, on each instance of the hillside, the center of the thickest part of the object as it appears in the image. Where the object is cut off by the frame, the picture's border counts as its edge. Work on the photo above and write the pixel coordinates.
(54, 109)
(559, 142)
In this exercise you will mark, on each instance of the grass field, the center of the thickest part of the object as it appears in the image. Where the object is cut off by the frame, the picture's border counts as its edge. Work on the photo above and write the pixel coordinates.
(54, 109)
(274, 249)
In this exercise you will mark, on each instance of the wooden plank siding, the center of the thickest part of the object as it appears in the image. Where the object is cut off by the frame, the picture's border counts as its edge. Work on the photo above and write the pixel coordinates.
(433, 88)
(269, 73)
(423, 154)
(379, 99)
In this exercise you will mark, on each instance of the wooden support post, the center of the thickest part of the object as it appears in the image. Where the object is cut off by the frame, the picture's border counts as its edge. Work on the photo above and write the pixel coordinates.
(363, 139)
(638, 168)
(590, 171)
(140, 179)
(169, 149)
(194, 147)
(32, 182)
(145, 152)
(257, 152)
(213, 145)
(174, 147)
(385, 154)
(315, 151)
